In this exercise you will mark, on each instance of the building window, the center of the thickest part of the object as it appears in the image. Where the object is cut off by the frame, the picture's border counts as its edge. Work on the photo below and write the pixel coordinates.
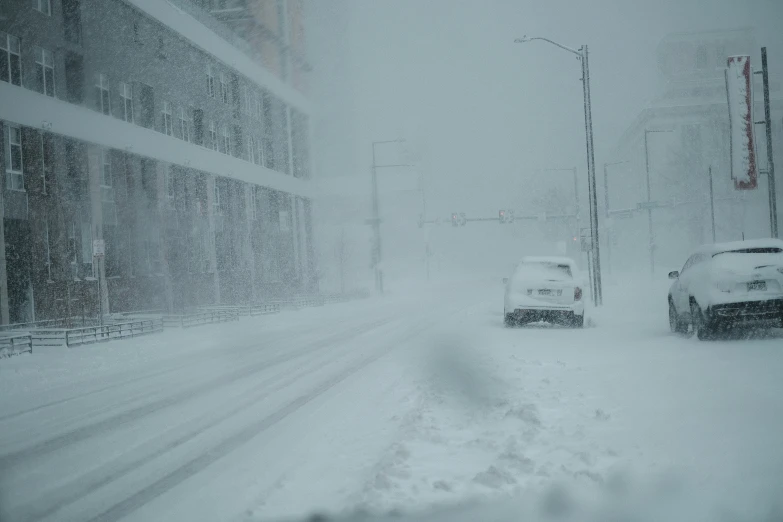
(72, 20)
(198, 126)
(44, 67)
(223, 88)
(168, 125)
(216, 200)
(252, 204)
(126, 93)
(106, 179)
(210, 82)
(14, 178)
(168, 182)
(44, 6)
(184, 127)
(225, 140)
(251, 149)
(74, 77)
(259, 107)
(103, 94)
(10, 59)
(213, 143)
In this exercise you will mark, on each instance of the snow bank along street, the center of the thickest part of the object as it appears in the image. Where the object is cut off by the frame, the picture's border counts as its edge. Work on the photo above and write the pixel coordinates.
(409, 400)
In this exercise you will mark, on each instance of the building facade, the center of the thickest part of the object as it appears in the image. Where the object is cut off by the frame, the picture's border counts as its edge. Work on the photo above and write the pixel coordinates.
(679, 137)
(157, 129)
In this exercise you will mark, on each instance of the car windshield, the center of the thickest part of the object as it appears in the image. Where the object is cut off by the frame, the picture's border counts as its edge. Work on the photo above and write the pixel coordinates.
(283, 260)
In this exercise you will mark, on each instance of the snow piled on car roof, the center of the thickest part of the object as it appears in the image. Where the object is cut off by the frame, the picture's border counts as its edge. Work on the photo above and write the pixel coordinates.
(741, 245)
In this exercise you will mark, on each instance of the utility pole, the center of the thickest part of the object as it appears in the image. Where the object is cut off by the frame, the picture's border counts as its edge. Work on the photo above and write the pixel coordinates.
(712, 205)
(773, 206)
(596, 250)
(595, 253)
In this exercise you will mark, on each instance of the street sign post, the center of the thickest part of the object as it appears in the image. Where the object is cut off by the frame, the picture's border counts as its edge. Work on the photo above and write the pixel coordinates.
(98, 248)
(98, 253)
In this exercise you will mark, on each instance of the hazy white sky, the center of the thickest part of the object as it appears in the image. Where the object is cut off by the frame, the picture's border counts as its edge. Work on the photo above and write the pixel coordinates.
(481, 111)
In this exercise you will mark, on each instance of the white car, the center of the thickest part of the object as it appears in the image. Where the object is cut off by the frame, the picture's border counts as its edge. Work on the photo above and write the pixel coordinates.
(726, 285)
(544, 289)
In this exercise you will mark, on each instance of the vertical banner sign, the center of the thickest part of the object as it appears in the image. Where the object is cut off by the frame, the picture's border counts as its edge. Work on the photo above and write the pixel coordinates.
(743, 146)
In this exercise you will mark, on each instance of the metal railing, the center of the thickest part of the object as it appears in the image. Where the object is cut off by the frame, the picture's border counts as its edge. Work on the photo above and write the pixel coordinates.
(61, 322)
(94, 334)
(200, 317)
(295, 303)
(15, 345)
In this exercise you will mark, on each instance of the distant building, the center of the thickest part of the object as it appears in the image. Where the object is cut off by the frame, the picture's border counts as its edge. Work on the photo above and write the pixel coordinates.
(692, 112)
(161, 129)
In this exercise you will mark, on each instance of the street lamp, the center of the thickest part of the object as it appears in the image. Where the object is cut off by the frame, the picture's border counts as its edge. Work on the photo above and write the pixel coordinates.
(582, 55)
(647, 132)
(606, 214)
(376, 220)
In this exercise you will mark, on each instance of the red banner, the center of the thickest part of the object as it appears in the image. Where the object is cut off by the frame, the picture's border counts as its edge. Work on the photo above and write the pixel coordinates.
(743, 145)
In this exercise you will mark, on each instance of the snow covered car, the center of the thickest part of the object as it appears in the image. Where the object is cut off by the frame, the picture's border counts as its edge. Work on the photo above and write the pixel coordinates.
(544, 289)
(726, 285)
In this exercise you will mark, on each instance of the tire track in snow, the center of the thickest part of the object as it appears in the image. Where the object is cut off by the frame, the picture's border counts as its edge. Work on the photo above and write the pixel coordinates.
(61, 497)
(160, 372)
(238, 439)
(38, 450)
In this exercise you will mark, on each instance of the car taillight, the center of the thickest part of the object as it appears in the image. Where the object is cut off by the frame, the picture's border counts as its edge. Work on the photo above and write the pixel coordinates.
(577, 294)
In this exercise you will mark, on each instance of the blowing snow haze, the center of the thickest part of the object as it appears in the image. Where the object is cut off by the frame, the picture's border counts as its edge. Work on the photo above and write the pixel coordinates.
(428, 260)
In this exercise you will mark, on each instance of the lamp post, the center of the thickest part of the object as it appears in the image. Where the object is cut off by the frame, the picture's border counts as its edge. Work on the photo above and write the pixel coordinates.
(582, 55)
(376, 220)
(647, 132)
(606, 213)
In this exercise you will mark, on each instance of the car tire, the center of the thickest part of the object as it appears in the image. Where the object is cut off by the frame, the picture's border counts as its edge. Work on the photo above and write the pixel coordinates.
(509, 321)
(676, 323)
(704, 330)
(577, 321)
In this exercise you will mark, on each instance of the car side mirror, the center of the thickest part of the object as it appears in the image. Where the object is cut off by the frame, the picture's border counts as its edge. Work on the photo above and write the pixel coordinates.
(505, 280)
(674, 275)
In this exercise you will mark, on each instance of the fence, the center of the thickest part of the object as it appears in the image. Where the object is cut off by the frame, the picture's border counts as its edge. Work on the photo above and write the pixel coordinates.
(61, 322)
(203, 316)
(94, 334)
(295, 303)
(15, 344)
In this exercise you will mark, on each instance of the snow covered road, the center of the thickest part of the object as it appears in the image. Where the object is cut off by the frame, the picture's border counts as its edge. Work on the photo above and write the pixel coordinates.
(402, 401)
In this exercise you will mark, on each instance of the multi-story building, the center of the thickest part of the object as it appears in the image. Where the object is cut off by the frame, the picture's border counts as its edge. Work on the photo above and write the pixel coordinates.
(681, 135)
(162, 131)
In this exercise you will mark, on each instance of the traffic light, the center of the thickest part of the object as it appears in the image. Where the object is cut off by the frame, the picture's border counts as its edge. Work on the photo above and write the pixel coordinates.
(421, 220)
(510, 216)
(454, 219)
(502, 216)
(463, 220)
